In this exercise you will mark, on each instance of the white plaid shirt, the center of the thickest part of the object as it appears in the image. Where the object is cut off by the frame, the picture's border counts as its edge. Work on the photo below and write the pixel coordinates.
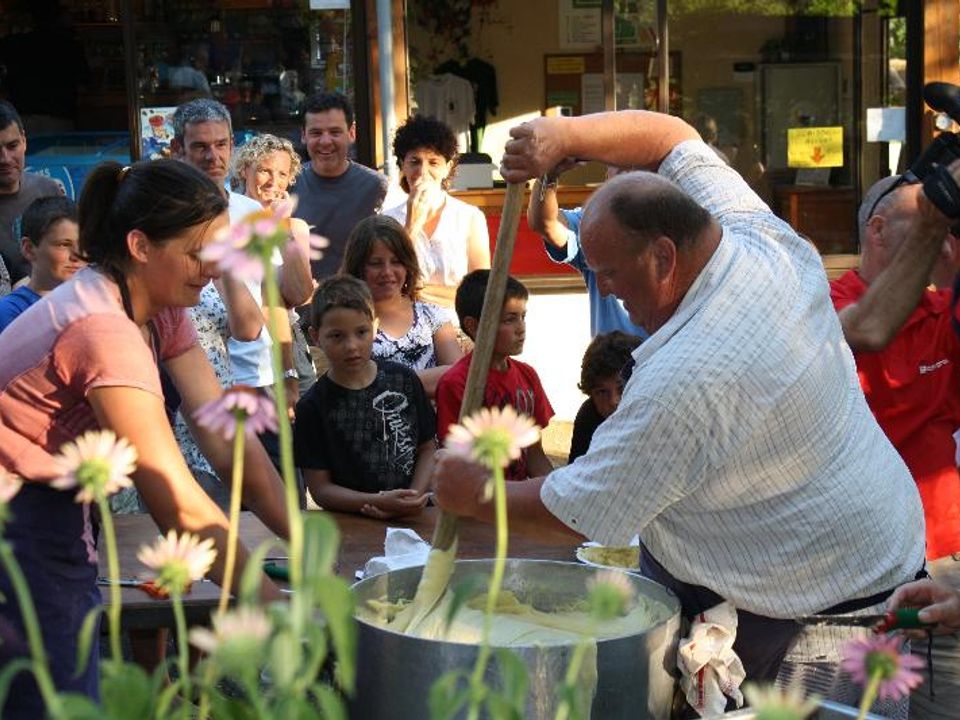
(743, 450)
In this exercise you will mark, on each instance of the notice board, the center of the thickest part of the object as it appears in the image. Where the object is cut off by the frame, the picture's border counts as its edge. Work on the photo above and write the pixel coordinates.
(575, 81)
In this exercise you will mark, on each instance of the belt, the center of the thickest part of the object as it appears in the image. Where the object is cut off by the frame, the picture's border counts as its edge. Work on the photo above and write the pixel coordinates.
(849, 606)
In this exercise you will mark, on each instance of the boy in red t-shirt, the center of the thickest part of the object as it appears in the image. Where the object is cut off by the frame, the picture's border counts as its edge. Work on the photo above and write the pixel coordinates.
(509, 382)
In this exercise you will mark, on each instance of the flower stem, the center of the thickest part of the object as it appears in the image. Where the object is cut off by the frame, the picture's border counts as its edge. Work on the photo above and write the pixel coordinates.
(496, 581)
(34, 639)
(183, 657)
(292, 493)
(570, 678)
(113, 567)
(236, 489)
(870, 692)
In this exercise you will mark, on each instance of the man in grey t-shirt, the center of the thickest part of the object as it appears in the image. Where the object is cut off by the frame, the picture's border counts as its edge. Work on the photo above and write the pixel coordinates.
(17, 190)
(334, 192)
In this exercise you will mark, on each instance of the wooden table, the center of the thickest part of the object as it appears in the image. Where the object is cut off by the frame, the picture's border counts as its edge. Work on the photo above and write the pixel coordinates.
(361, 538)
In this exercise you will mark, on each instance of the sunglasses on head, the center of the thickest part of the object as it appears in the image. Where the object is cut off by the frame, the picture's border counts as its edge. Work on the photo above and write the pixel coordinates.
(908, 178)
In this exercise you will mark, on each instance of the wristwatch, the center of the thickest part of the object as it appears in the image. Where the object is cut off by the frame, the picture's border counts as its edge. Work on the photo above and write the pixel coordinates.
(291, 374)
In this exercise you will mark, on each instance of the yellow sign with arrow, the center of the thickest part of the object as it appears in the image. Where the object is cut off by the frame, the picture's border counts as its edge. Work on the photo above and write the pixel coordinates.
(815, 147)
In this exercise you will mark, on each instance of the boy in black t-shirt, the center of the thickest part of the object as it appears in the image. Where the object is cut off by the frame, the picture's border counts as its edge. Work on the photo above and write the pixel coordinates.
(364, 436)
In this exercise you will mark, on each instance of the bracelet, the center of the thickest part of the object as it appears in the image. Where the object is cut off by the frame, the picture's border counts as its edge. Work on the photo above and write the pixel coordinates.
(545, 184)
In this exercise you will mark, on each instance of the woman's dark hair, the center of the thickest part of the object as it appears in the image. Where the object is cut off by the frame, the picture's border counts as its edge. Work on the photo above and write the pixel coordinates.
(425, 131)
(161, 198)
(392, 234)
(605, 357)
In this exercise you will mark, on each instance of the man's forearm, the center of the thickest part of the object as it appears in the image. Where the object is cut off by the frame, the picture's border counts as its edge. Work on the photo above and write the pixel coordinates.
(871, 323)
(529, 516)
(626, 138)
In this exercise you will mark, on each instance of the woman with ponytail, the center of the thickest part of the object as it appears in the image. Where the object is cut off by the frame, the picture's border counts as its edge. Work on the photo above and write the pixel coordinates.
(90, 358)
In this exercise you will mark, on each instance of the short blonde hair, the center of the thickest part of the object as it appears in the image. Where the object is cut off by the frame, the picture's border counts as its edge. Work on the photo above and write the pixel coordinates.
(256, 148)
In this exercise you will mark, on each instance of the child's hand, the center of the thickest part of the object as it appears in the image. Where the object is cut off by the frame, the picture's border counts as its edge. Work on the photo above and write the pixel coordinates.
(395, 503)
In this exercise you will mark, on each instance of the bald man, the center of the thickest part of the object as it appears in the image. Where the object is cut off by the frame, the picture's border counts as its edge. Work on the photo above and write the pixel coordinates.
(743, 451)
(908, 359)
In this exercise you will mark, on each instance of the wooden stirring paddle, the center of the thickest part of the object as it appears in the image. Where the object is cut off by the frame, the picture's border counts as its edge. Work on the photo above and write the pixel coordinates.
(436, 574)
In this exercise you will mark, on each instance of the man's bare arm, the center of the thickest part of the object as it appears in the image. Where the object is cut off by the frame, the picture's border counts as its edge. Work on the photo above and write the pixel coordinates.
(626, 138)
(458, 488)
(870, 324)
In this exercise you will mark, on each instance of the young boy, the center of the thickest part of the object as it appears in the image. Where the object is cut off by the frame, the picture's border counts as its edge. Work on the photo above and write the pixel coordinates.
(50, 243)
(509, 382)
(601, 379)
(364, 434)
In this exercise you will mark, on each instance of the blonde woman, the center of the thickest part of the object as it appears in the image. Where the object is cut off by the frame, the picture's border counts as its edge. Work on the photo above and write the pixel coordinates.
(263, 169)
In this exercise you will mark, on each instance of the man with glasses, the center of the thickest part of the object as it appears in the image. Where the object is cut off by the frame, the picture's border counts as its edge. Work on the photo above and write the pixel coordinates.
(907, 356)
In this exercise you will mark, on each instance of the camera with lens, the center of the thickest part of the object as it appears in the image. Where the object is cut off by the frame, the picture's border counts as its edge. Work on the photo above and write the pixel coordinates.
(931, 167)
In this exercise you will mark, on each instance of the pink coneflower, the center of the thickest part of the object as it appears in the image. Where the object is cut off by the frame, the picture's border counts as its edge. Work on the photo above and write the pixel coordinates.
(237, 638)
(610, 594)
(492, 436)
(98, 462)
(238, 403)
(316, 244)
(234, 253)
(246, 247)
(878, 659)
(770, 702)
(178, 561)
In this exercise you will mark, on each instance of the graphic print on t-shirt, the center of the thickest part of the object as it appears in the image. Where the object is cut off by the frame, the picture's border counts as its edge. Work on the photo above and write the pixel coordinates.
(396, 433)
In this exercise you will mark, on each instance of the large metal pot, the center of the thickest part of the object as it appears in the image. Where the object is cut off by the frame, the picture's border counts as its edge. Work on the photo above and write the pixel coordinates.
(634, 673)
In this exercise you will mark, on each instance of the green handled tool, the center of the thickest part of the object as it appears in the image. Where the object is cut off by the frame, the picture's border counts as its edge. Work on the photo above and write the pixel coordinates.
(277, 571)
(902, 619)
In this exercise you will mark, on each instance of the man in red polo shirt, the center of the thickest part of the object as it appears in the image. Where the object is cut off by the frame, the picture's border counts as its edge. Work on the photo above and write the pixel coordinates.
(908, 359)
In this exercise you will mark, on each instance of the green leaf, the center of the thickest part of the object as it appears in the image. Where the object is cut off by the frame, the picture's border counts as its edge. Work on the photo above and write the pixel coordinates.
(500, 708)
(253, 572)
(464, 590)
(447, 695)
(295, 708)
(85, 638)
(226, 708)
(126, 691)
(166, 697)
(570, 695)
(514, 679)
(321, 540)
(335, 600)
(331, 703)
(316, 647)
(10, 670)
(80, 707)
(285, 657)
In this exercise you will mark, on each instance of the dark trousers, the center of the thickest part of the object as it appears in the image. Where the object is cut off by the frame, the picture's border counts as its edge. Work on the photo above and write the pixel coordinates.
(47, 533)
